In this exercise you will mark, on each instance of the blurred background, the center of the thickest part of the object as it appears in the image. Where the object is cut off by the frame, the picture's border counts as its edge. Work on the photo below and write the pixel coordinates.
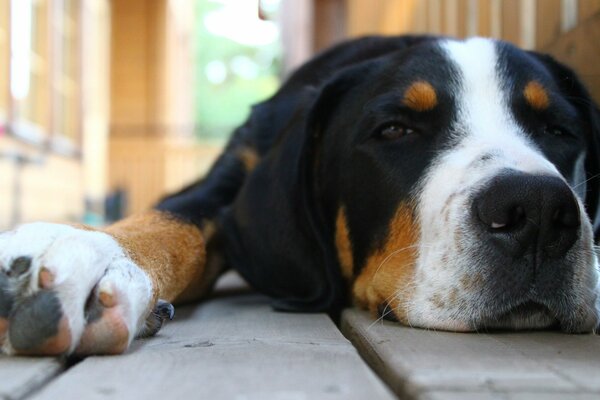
(105, 105)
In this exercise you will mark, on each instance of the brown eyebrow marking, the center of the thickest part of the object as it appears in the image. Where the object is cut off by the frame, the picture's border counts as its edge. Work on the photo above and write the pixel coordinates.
(420, 96)
(536, 95)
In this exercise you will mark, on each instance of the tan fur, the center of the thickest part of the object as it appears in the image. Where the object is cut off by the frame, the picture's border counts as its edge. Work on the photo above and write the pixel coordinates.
(420, 96)
(536, 96)
(249, 157)
(343, 244)
(389, 271)
(171, 251)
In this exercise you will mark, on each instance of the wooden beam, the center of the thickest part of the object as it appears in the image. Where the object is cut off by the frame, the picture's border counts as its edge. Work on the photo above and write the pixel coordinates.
(429, 364)
(580, 49)
(233, 347)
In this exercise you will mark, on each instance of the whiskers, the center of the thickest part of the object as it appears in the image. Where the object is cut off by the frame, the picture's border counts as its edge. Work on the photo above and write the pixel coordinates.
(393, 298)
(586, 181)
(401, 290)
(393, 253)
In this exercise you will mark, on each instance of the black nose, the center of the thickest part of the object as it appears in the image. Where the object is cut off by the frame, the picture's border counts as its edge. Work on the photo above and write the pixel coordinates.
(523, 213)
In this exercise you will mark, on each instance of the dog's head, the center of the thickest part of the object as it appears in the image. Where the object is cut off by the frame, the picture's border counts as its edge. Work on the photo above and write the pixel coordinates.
(461, 181)
(453, 184)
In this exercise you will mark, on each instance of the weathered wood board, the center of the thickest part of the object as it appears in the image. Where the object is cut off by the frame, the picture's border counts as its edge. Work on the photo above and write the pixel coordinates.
(232, 347)
(20, 376)
(436, 365)
(580, 50)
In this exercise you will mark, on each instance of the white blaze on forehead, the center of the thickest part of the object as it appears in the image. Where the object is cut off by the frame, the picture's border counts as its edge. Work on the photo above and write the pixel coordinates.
(485, 120)
(480, 98)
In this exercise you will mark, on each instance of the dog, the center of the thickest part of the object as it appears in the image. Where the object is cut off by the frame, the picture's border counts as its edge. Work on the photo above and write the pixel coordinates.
(445, 184)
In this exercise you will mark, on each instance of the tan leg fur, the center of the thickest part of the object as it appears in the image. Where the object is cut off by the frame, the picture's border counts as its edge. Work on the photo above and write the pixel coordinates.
(170, 251)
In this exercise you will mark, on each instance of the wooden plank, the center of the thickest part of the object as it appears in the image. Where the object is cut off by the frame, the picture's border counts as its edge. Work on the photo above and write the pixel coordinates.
(569, 14)
(329, 22)
(434, 16)
(463, 13)
(443, 365)
(420, 14)
(587, 8)
(20, 376)
(580, 50)
(511, 21)
(496, 18)
(232, 347)
(363, 17)
(548, 22)
(484, 11)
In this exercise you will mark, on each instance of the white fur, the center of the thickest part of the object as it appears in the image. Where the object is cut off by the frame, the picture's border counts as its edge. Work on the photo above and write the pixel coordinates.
(80, 261)
(485, 127)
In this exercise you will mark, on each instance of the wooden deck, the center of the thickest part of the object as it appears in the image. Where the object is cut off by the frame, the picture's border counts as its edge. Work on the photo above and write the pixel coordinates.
(235, 347)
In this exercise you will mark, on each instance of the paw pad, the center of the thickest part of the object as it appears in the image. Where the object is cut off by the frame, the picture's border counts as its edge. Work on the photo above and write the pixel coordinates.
(38, 325)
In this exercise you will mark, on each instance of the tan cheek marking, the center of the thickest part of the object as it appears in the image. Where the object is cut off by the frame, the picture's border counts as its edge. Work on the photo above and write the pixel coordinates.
(343, 244)
(453, 297)
(420, 96)
(536, 96)
(437, 300)
(249, 158)
(473, 282)
(388, 274)
(172, 252)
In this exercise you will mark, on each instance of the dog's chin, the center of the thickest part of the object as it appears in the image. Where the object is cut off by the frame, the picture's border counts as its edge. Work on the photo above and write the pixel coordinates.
(525, 316)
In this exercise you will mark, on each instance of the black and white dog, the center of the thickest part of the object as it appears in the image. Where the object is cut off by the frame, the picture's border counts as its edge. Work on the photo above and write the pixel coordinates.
(442, 183)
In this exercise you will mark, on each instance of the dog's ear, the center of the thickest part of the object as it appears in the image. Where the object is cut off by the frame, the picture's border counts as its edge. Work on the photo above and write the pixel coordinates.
(278, 237)
(291, 257)
(576, 93)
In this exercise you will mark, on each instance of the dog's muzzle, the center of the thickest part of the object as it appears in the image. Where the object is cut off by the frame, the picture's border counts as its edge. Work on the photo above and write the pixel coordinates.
(535, 251)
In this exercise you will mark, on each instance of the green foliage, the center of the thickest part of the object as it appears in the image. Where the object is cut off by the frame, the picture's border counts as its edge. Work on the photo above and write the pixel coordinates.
(242, 75)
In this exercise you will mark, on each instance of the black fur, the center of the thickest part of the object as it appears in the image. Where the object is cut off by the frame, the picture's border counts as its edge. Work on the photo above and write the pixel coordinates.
(277, 221)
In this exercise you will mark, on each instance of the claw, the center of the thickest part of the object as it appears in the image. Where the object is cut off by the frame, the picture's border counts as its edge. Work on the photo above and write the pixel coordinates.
(164, 309)
(155, 320)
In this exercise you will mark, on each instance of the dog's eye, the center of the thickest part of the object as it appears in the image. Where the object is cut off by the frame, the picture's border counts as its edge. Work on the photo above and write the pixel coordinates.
(394, 131)
(556, 131)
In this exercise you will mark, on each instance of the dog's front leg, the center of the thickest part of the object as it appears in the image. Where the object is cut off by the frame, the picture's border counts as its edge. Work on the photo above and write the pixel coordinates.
(71, 289)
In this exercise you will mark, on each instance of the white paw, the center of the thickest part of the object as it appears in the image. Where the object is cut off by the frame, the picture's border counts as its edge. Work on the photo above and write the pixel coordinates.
(66, 290)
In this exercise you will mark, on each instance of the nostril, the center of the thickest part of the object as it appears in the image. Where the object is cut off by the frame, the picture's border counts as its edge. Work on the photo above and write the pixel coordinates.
(500, 218)
(566, 216)
(512, 219)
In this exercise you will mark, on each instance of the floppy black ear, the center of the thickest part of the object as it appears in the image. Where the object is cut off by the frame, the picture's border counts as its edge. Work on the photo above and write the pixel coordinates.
(579, 96)
(276, 234)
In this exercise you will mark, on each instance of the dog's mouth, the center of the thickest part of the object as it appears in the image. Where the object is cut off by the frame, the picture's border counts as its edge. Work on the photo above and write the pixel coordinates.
(529, 315)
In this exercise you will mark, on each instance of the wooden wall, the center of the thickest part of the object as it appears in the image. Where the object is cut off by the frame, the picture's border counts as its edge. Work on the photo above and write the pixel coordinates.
(51, 188)
(527, 23)
(150, 167)
(151, 147)
(579, 49)
(568, 29)
(68, 168)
